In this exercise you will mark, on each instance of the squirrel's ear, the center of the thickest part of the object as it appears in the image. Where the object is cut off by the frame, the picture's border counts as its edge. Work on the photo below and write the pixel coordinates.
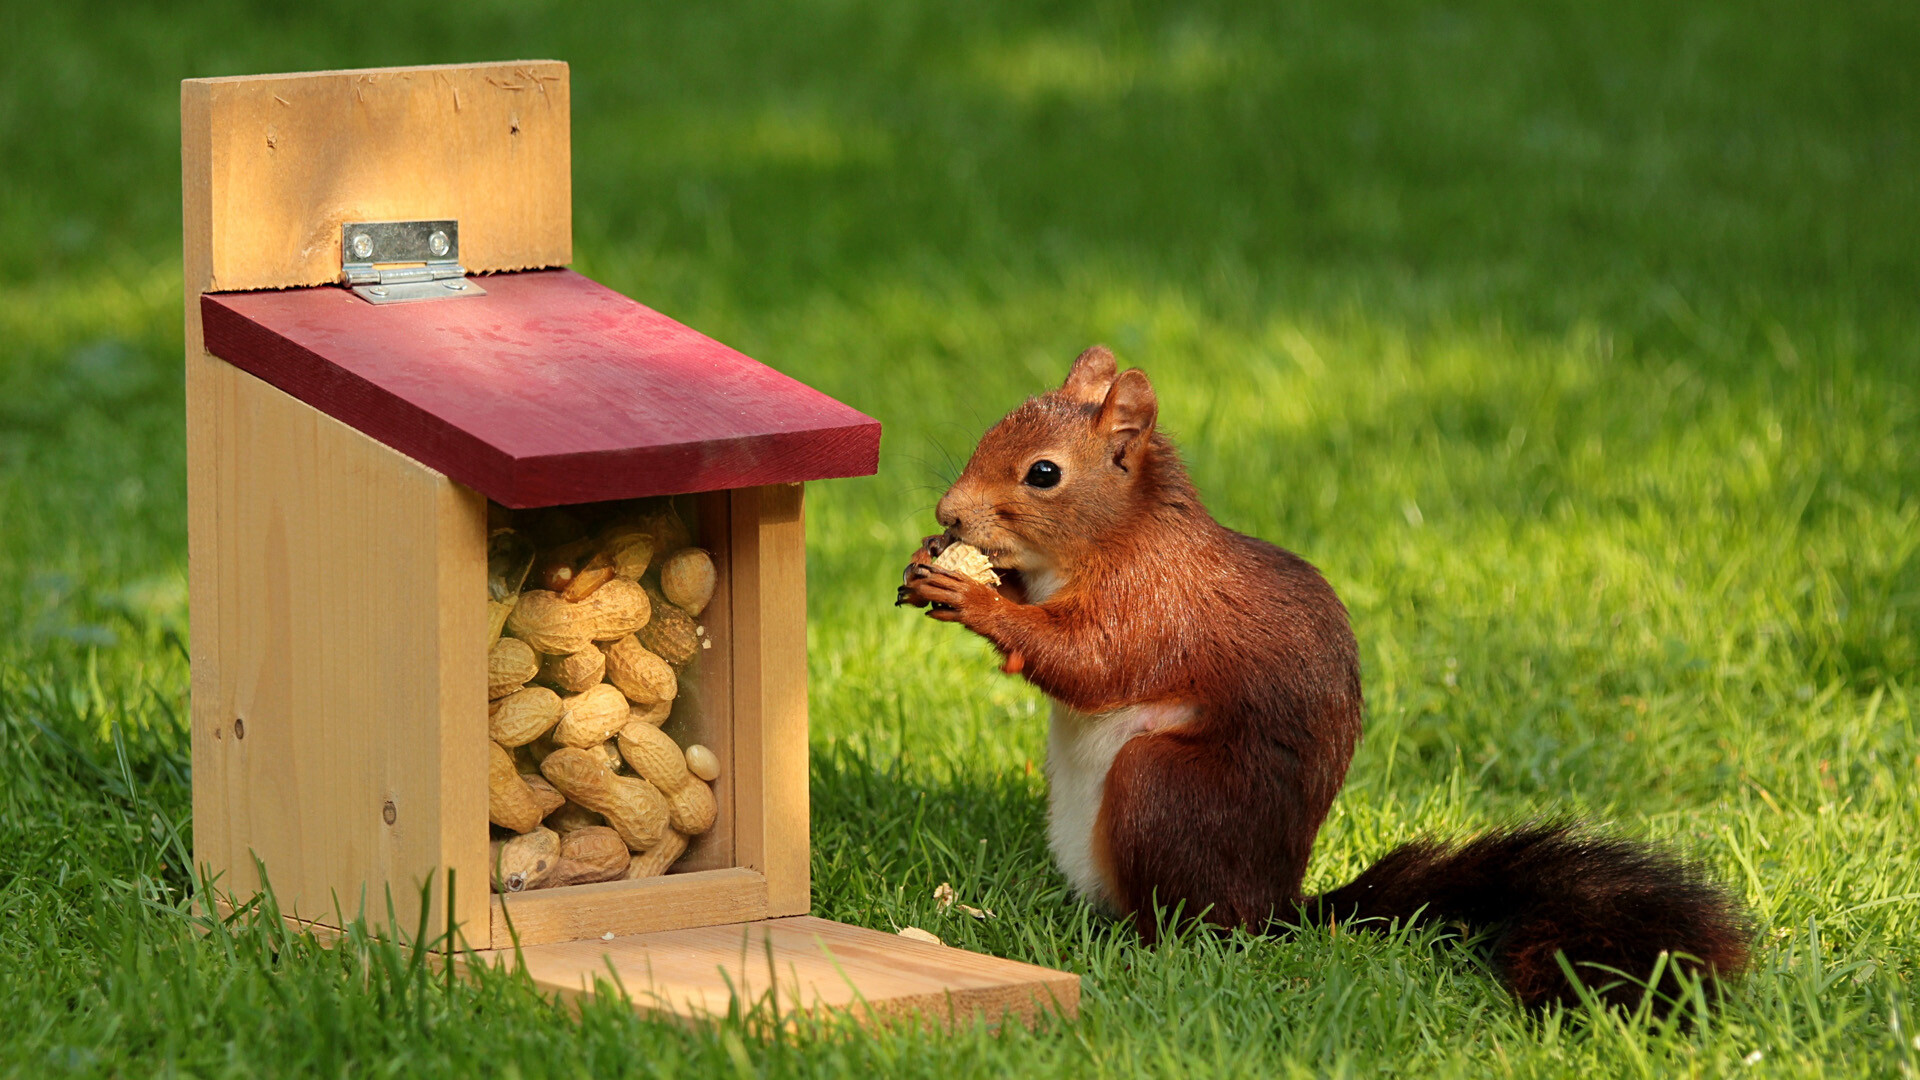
(1091, 377)
(1127, 416)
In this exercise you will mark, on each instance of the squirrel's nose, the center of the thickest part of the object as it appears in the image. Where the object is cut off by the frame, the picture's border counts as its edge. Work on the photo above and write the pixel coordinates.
(945, 514)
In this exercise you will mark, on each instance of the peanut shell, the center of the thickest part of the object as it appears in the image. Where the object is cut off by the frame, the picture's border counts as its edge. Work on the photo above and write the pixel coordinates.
(669, 532)
(523, 716)
(547, 622)
(687, 577)
(525, 862)
(969, 562)
(545, 794)
(595, 853)
(691, 808)
(643, 677)
(590, 717)
(650, 714)
(615, 610)
(574, 672)
(511, 663)
(610, 751)
(657, 859)
(511, 804)
(597, 572)
(670, 633)
(654, 756)
(703, 763)
(571, 816)
(631, 552)
(634, 808)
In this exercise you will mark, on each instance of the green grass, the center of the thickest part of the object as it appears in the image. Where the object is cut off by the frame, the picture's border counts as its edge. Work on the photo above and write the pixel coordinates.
(1575, 343)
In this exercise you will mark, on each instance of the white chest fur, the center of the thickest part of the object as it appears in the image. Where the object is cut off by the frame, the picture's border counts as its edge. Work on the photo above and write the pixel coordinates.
(1080, 750)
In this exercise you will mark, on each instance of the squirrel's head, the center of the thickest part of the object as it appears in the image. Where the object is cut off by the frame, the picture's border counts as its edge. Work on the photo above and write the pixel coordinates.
(1062, 472)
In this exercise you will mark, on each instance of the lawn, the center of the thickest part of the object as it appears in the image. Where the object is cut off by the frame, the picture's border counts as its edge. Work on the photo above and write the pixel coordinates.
(1576, 344)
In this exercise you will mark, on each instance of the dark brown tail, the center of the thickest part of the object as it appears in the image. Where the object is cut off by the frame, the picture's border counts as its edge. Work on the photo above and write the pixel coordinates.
(1610, 906)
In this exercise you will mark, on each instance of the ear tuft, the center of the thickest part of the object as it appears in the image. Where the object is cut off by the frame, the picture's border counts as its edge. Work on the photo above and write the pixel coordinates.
(1092, 376)
(1127, 417)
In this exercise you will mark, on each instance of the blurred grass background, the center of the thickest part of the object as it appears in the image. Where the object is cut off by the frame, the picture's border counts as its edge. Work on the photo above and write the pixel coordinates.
(1575, 344)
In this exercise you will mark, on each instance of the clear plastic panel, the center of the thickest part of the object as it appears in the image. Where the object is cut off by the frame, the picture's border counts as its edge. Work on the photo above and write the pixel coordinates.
(608, 680)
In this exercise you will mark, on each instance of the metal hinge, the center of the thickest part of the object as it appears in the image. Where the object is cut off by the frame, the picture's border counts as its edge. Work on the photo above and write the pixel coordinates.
(393, 262)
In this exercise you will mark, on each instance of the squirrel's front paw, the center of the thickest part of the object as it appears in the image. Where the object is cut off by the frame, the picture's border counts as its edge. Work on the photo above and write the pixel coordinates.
(947, 596)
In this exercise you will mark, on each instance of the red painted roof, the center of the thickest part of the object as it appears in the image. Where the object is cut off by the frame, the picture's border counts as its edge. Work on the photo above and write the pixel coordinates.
(549, 389)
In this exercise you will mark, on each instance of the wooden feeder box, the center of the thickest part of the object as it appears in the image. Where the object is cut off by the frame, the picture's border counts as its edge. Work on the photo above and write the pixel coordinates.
(349, 458)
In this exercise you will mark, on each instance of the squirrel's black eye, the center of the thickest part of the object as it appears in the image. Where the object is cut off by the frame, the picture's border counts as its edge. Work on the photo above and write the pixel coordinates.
(1043, 474)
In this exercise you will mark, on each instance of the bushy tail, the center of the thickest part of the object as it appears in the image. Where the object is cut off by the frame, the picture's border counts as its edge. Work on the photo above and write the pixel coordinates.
(1611, 906)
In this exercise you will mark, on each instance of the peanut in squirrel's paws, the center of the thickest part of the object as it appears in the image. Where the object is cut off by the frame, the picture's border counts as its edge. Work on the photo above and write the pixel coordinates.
(947, 596)
(930, 549)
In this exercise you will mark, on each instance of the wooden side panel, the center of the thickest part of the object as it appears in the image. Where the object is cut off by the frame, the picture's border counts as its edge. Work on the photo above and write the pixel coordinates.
(339, 692)
(801, 965)
(770, 693)
(288, 159)
(673, 902)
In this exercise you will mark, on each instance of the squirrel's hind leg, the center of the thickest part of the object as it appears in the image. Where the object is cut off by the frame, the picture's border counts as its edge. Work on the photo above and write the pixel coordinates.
(1189, 831)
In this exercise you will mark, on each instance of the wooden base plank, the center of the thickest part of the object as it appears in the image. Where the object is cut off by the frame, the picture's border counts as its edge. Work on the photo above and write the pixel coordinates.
(585, 912)
(799, 964)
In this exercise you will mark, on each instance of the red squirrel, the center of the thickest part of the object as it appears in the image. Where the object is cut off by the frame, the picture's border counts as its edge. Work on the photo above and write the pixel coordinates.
(1206, 703)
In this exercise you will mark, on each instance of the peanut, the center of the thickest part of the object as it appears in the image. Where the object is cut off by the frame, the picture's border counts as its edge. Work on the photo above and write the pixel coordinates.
(687, 577)
(509, 555)
(969, 562)
(664, 525)
(547, 622)
(571, 816)
(634, 808)
(597, 572)
(525, 862)
(691, 808)
(574, 672)
(511, 804)
(670, 633)
(510, 664)
(615, 610)
(703, 763)
(591, 717)
(650, 714)
(644, 678)
(631, 552)
(545, 794)
(595, 853)
(523, 716)
(654, 756)
(655, 860)
(610, 751)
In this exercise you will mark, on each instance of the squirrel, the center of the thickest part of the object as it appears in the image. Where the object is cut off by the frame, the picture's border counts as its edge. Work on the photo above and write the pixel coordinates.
(1206, 704)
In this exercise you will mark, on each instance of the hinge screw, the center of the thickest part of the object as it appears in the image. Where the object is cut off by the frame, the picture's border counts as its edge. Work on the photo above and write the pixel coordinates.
(363, 246)
(439, 244)
(377, 290)
(456, 286)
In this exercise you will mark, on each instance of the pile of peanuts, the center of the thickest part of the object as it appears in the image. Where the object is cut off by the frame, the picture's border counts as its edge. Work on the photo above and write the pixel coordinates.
(583, 785)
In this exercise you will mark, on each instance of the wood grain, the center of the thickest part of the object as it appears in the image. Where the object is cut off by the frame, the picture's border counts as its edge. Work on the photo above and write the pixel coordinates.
(581, 912)
(313, 551)
(800, 964)
(771, 801)
(551, 389)
(288, 159)
(339, 647)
